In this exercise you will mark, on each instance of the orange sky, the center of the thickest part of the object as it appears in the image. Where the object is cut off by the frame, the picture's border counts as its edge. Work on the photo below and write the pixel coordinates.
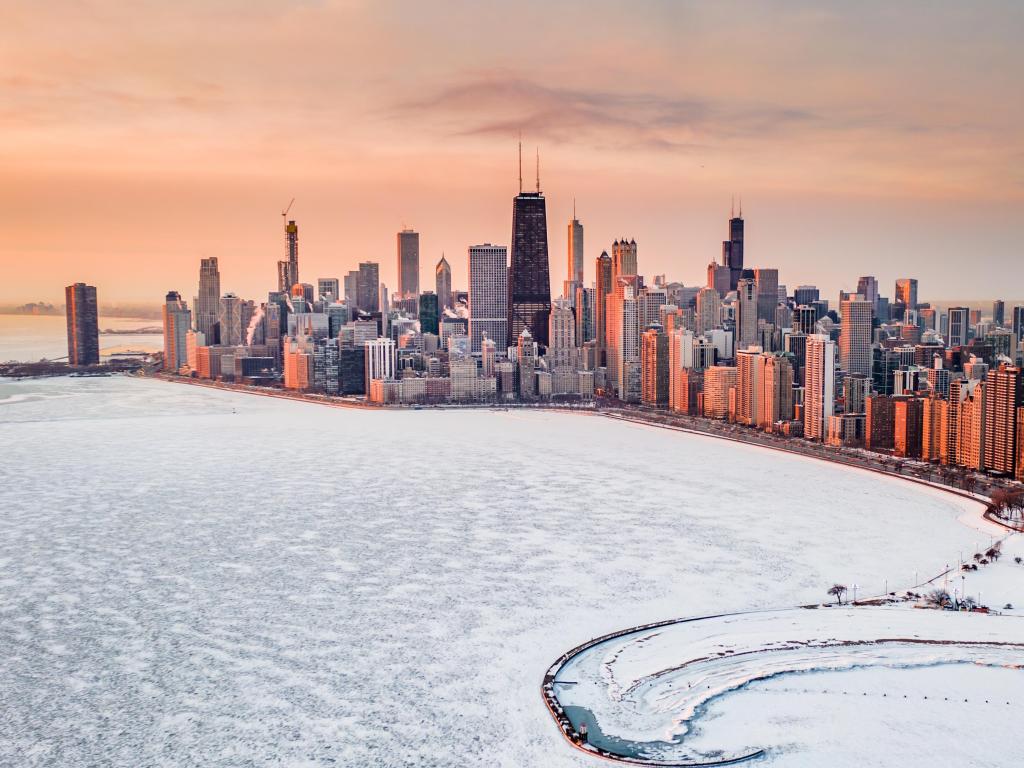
(864, 138)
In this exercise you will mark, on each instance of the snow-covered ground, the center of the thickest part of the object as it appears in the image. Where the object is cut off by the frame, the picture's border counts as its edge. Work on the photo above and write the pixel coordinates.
(197, 577)
(649, 689)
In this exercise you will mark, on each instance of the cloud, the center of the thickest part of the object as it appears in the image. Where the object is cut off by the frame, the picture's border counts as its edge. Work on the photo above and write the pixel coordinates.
(500, 105)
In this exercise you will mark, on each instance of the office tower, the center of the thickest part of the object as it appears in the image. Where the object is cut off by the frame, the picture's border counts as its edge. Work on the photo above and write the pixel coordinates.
(957, 324)
(819, 394)
(443, 284)
(229, 319)
(351, 288)
(368, 287)
(908, 426)
(719, 386)
(526, 362)
(999, 312)
(383, 305)
(709, 310)
(804, 320)
(574, 269)
(906, 292)
(805, 294)
(654, 377)
(719, 278)
(1004, 393)
(1019, 476)
(767, 281)
(732, 250)
(926, 317)
(177, 322)
(603, 289)
(380, 359)
(1018, 323)
(867, 286)
(624, 261)
(207, 303)
(563, 356)
(288, 270)
(83, 324)
(650, 302)
(529, 283)
(488, 294)
(408, 267)
(429, 312)
(855, 336)
(775, 402)
(746, 313)
(623, 353)
(749, 371)
(880, 423)
(584, 306)
(328, 288)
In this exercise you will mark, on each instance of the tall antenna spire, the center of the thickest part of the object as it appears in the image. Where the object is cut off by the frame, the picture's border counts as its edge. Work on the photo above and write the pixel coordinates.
(574, 207)
(732, 209)
(538, 170)
(520, 162)
(741, 206)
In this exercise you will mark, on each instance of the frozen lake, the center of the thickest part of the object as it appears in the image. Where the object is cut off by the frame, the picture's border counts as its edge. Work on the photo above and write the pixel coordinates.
(191, 577)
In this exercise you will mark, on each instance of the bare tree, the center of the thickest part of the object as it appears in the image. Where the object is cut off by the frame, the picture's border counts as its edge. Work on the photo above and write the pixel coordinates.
(837, 591)
(938, 597)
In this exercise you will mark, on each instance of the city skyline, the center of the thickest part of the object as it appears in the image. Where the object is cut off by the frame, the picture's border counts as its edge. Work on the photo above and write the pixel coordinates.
(916, 166)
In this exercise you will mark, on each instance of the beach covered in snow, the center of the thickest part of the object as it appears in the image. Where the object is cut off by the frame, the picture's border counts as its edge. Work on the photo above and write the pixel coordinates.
(195, 577)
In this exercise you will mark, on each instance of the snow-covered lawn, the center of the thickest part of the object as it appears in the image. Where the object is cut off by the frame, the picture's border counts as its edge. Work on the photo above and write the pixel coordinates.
(191, 577)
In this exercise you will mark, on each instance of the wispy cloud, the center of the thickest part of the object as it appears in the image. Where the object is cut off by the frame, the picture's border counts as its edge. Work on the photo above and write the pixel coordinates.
(500, 105)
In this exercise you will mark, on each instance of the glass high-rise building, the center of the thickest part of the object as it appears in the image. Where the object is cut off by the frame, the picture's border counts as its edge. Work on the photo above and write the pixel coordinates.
(488, 294)
(529, 281)
(732, 250)
(429, 312)
(443, 284)
(83, 324)
(408, 263)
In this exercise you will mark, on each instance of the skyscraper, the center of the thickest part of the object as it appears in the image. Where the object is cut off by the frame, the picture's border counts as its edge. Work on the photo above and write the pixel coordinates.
(408, 263)
(746, 313)
(488, 294)
(654, 384)
(999, 312)
(709, 310)
(958, 318)
(328, 288)
(529, 281)
(819, 383)
(603, 283)
(749, 381)
(288, 270)
(624, 262)
(867, 286)
(855, 337)
(83, 324)
(207, 303)
(732, 249)
(229, 319)
(368, 287)
(623, 353)
(776, 390)
(177, 322)
(429, 312)
(767, 281)
(906, 292)
(443, 284)
(574, 268)
(1004, 393)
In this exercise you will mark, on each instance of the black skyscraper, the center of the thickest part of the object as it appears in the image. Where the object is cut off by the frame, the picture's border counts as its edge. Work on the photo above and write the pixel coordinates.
(732, 250)
(83, 324)
(529, 284)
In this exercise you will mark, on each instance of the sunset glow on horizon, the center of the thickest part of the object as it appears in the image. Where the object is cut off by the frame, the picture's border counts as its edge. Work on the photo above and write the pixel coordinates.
(873, 139)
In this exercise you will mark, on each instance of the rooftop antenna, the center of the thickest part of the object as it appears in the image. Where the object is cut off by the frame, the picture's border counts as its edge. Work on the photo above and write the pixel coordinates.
(520, 162)
(732, 208)
(574, 207)
(741, 206)
(538, 170)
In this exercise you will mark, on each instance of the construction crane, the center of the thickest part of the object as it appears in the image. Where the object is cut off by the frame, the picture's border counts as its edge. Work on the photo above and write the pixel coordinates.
(284, 213)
